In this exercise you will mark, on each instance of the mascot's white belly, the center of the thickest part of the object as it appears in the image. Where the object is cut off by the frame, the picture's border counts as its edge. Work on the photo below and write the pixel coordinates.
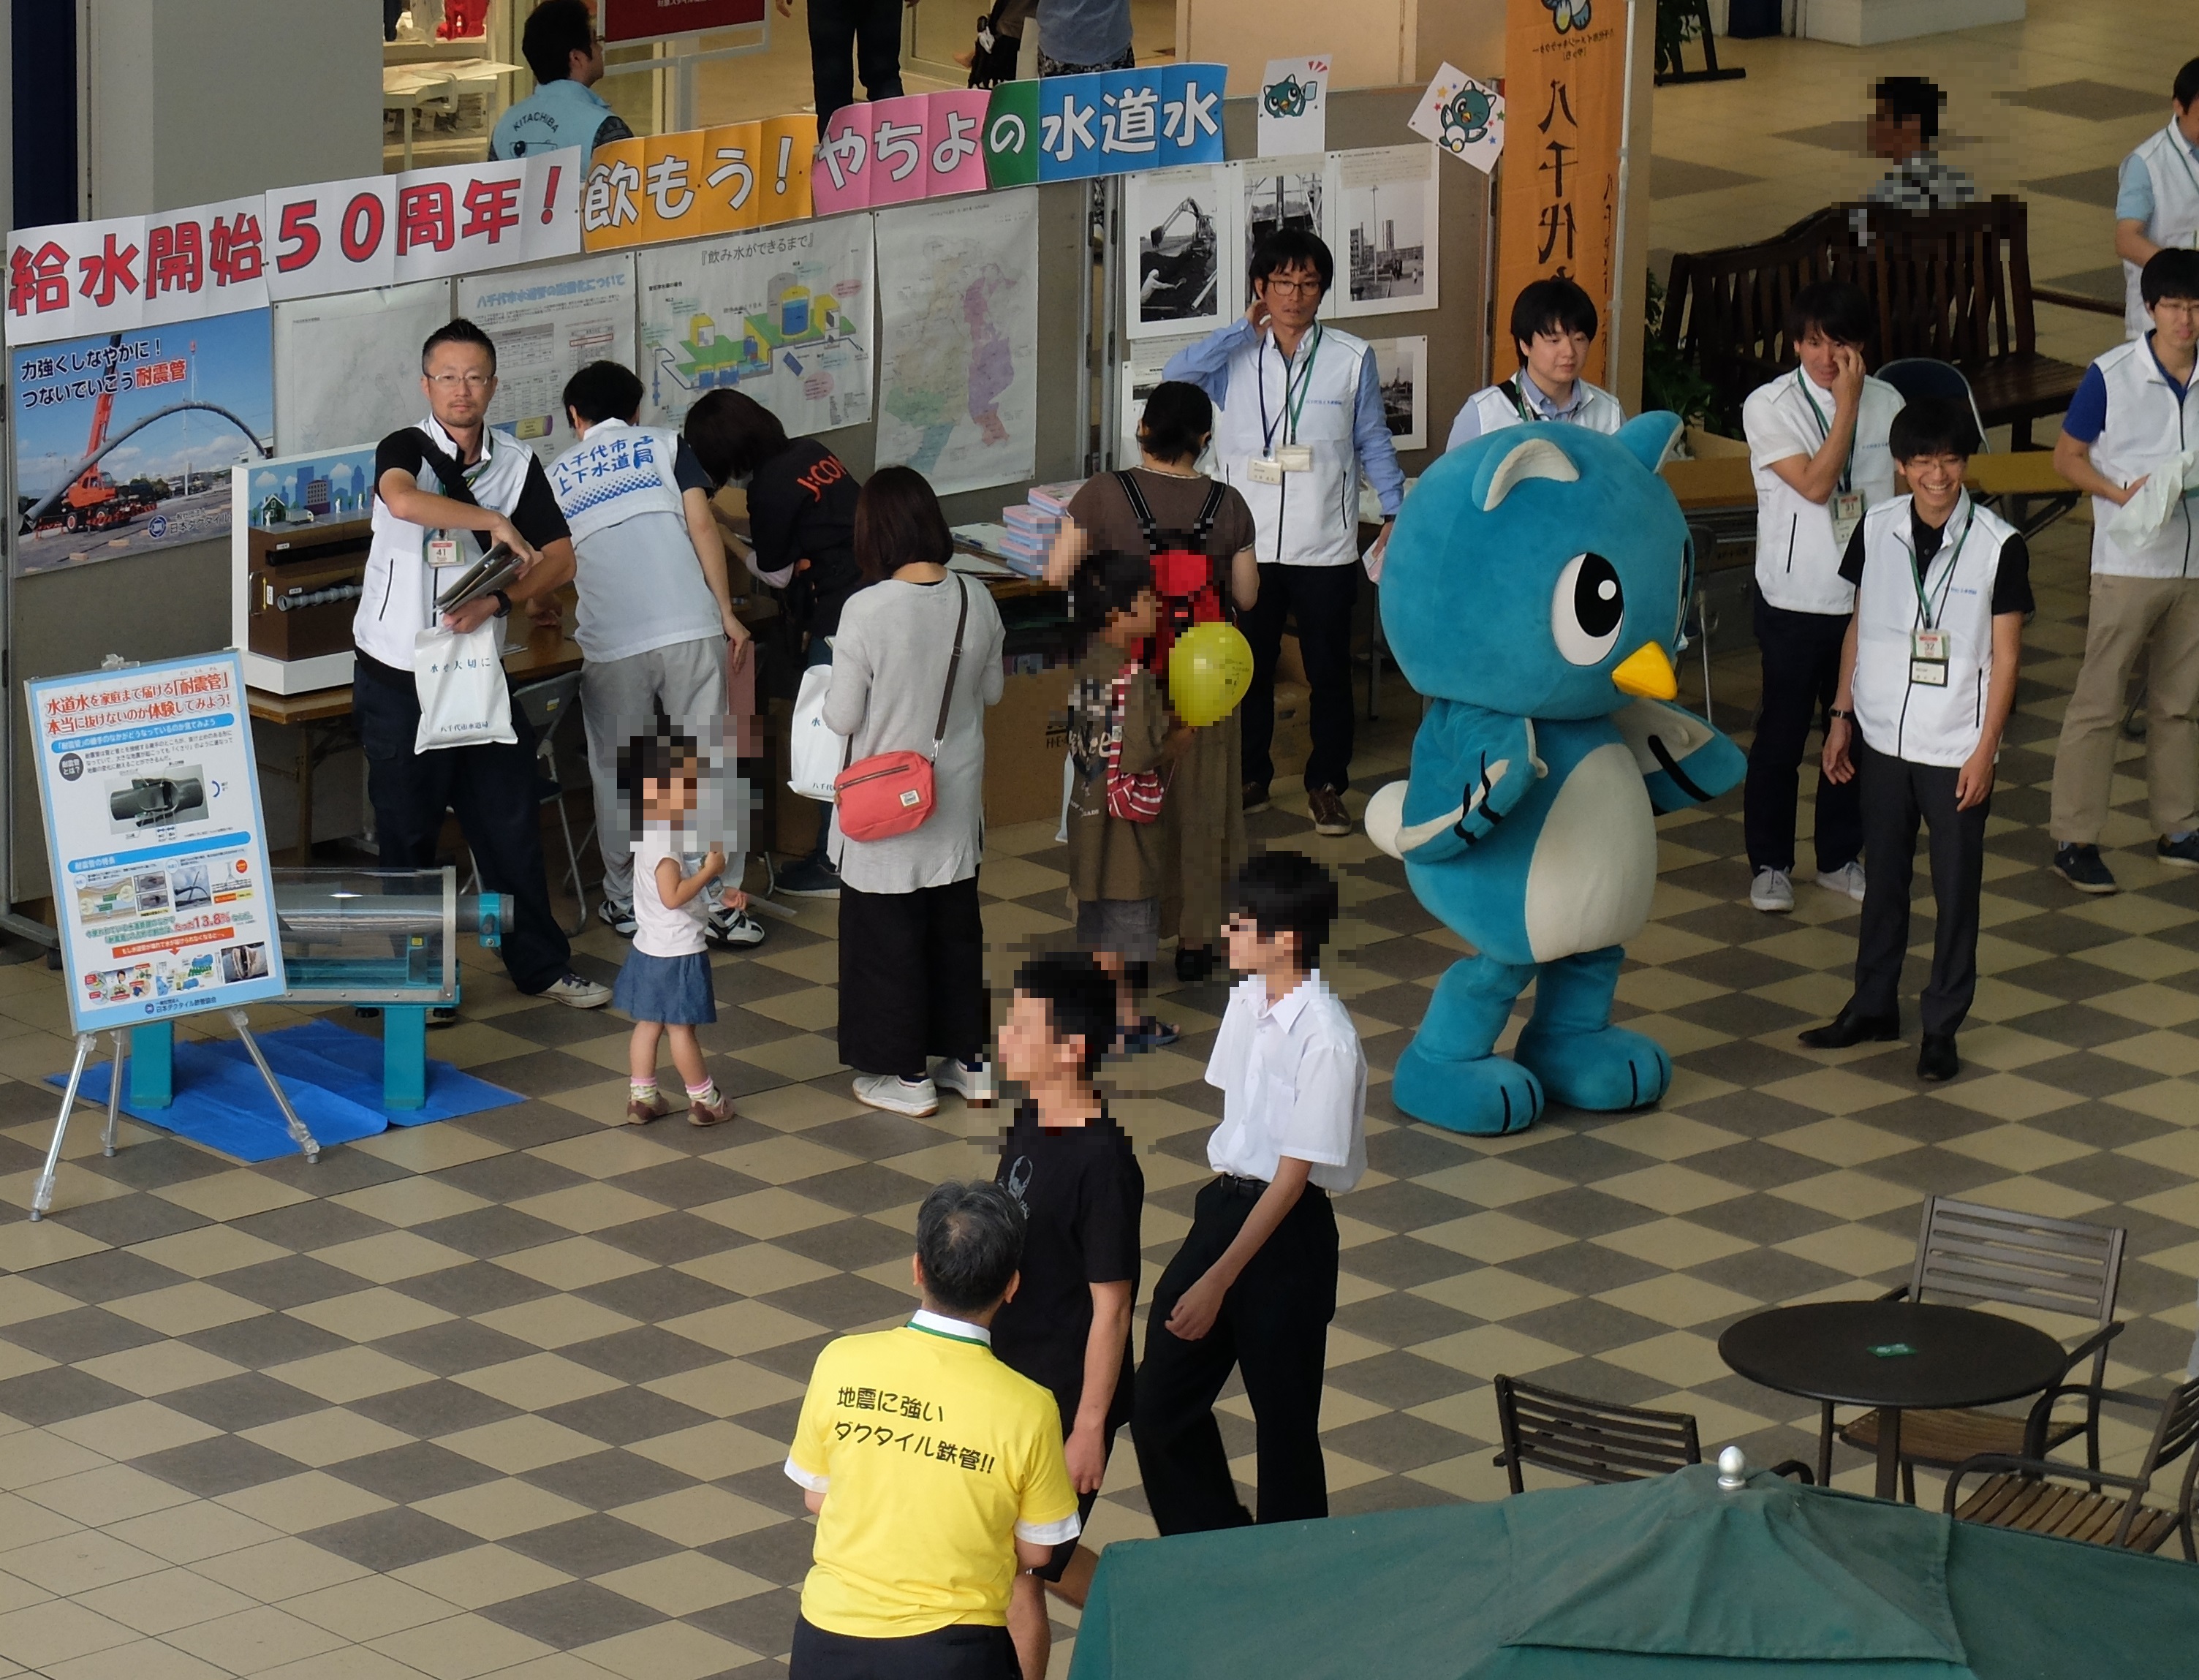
(1594, 863)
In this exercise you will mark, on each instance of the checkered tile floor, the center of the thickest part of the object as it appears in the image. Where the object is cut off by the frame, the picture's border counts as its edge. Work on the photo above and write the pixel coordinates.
(509, 1395)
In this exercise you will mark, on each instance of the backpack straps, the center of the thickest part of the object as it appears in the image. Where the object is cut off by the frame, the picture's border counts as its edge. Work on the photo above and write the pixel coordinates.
(1204, 528)
(1140, 509)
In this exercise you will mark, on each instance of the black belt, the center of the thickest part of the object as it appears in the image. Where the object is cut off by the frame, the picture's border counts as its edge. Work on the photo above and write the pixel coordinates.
(1236, 1184)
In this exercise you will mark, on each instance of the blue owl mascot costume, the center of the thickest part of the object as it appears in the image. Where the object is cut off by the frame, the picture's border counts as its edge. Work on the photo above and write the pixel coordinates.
(1533, 591)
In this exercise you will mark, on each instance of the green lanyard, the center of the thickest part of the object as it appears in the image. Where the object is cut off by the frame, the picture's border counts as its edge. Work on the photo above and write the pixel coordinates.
(1916, 574)
(1294, 408)
(1825, 429)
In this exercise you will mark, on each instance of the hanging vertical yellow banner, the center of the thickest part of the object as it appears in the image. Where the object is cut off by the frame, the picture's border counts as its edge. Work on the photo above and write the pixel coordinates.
(1565, 93)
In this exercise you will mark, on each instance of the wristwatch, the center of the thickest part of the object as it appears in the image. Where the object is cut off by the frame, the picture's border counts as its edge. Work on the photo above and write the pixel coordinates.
(503, 603)
(1835, 712)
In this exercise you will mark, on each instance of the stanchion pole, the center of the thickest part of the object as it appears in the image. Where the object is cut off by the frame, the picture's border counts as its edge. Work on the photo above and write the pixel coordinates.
(42, 1198)
(242, 1023)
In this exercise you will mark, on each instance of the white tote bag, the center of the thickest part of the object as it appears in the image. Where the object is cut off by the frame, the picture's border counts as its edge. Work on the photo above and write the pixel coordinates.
(815, 758)
(464, 701)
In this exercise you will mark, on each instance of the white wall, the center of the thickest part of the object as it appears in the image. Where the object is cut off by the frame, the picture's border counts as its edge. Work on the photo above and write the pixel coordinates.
(192, 101)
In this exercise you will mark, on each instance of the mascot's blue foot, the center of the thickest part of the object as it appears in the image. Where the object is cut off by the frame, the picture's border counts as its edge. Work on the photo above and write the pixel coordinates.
(1602, 1071)
(1486, 1096)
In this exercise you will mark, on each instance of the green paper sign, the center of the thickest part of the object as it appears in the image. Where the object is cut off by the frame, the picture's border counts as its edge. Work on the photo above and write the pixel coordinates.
(1012, 136)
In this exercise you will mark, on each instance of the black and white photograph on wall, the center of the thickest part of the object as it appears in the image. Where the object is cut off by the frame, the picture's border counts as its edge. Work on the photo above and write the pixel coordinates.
(1180, 223)
(1141, 371)
(1280, 193)
(1386, 219)
(1403, 363)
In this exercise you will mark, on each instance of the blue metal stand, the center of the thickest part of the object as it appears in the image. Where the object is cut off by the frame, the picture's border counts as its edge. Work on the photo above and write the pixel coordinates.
(404, 1055)
(151, 1065)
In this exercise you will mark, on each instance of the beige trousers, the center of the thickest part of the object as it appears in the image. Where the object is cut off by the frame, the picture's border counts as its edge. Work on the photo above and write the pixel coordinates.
(2128, 615)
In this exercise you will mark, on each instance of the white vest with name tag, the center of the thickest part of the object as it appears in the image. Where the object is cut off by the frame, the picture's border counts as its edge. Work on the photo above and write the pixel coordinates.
(1599, 410)
(1310, 518)
(2175, 178)
(1798, 558)
(1922, 722)
(2146, 424)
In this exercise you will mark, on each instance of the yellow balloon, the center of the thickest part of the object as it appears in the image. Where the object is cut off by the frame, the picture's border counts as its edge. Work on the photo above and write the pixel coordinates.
(1210, 668)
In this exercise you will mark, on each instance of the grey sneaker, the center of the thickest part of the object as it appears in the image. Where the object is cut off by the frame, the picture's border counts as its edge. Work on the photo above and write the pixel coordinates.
(1772, 891)
(618, 917)
(972, 1081)
(733, 927)
(919, 1099)
(576, 992)
(1848, 878)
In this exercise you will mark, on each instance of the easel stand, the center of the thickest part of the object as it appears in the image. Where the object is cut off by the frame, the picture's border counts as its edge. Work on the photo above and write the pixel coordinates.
(152, 1085)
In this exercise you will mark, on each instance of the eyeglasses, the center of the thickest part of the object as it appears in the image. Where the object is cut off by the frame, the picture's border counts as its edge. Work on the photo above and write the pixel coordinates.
(1295, 288)
(472, 381)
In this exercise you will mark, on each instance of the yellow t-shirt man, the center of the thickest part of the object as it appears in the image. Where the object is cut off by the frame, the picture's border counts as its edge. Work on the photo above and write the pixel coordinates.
(934, 1458)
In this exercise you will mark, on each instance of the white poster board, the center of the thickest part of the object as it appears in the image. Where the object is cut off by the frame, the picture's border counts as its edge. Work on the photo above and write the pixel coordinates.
(957, 323)
(1403, 363)
(1181, 224)
(1273, 194)
(548, 324)
(1142, 370)
(1385, 200)
(153, 833)
(348, 366)
(784, 316)
(1294, 106)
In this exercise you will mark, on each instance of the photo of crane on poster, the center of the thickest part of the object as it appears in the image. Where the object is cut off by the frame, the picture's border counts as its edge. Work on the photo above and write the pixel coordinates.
(124, 441)
(784, 316)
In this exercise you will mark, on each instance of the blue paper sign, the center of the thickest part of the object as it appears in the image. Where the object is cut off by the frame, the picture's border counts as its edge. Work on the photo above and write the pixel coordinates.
(1118, 121)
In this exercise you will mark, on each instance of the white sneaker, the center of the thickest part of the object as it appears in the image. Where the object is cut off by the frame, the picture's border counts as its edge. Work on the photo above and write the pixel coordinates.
(576, 992)
(618, 917)
(734, 927)
(1772, 891)
(916, 1097)
(1848, 878)
(972, 1081)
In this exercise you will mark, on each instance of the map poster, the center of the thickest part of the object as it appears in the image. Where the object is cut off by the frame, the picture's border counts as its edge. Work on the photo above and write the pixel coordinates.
(124, 441)
(783, 316)
(958, 383)
(153, 835)
(347, 366)
(548, 324)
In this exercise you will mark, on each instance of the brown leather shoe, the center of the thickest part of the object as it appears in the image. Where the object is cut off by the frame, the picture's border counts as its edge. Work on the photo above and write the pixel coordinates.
(1256, 798)
(715, 1112)
(1329, 815)
(640, 1113)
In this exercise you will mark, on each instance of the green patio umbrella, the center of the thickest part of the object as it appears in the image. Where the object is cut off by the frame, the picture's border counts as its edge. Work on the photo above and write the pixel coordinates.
(1650, 1580)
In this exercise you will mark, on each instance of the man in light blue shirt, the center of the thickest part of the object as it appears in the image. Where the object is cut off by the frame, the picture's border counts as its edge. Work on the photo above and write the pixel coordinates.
(1078, 37)
(562, 48)
(2157, 195)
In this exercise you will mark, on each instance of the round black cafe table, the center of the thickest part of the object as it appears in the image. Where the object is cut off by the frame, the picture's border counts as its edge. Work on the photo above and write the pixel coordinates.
(1897, 1356)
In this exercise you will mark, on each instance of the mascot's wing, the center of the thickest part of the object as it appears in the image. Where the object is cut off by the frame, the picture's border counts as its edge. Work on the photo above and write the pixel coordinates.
(1685, 761)
(1470, 768)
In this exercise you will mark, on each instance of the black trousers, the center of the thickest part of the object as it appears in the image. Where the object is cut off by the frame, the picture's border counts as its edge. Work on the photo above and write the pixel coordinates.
(870, 31)
(493, 791)
(1801, 673)
(1273, 1327)
(1896, 794)
(961, 1651)
(912, 978)
(1319, 598)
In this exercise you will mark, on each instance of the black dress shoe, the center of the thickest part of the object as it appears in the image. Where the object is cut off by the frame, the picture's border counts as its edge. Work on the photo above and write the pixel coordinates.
(1852, 1026)
(1936, 1058)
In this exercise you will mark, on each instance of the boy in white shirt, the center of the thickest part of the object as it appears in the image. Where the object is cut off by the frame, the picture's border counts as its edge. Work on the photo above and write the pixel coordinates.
(1254, 1285)
(1554, 322)
(1817, 447)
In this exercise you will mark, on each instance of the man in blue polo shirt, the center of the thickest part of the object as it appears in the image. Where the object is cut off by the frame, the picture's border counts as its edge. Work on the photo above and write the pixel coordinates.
(2136, 414)
(562, 48)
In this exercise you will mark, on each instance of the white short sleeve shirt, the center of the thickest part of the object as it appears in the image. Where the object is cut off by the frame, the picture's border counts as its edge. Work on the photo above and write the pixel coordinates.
(1293, 1080)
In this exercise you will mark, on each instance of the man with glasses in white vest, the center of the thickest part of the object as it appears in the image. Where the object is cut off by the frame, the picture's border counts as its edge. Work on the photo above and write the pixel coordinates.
(2157, 196)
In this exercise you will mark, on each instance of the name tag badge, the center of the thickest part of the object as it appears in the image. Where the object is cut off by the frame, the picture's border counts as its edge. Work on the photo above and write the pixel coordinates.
(1848, 514)
(1295, 457)
(1930, 644)
(1265, 469)
(442, 551)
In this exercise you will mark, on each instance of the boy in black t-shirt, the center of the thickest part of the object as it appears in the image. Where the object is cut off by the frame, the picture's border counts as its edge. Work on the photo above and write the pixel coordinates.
(1068, 1324)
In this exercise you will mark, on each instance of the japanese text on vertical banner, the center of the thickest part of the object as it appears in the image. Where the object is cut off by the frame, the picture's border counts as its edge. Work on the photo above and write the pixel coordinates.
(1565, 89)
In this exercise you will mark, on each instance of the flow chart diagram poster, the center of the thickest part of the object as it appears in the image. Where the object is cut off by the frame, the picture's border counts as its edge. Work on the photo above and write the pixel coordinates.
(347, 366)
(124, 441)
(155, 841)
(783, 316)
(548, 324)
(958, 390)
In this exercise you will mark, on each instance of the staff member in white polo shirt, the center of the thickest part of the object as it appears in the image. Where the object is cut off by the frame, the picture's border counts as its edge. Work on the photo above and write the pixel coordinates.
(2137, 410)
(1816, 448)
(1297, 419)
(2157, 196)
(1552, 324)
(1927, 680)
(489, 489)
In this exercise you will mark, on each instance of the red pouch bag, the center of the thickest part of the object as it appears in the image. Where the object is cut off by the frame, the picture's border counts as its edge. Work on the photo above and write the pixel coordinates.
(891, 793)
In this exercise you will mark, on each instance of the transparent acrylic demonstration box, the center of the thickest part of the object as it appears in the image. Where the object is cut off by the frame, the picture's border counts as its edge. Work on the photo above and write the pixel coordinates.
(386, 936)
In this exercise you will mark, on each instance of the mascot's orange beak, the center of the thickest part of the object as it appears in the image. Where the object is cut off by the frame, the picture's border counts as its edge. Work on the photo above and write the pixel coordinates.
(1646, 672)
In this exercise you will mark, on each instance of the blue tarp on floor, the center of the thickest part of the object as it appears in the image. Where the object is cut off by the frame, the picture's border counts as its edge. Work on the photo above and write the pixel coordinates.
(332, 1077)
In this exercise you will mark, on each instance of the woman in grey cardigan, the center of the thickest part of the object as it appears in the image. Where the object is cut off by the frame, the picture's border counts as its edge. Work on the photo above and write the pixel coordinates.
(911, 945)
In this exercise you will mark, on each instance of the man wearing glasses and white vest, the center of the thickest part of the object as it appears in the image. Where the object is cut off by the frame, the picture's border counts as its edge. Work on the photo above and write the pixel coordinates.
(2157, 196)
(446, 490)
(1297, 419)
(1927, 680)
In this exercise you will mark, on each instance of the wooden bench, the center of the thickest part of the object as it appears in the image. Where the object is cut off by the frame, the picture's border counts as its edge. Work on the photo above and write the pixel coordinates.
(1953, 284)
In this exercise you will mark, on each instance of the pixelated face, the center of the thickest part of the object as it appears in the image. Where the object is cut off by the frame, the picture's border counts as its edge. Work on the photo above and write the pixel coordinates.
(1252, 951)
(1138, 619)
(1541, 571)
(1031, 1053)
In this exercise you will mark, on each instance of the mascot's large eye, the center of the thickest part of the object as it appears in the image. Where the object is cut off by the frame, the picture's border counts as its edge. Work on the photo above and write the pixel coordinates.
(1586, 610)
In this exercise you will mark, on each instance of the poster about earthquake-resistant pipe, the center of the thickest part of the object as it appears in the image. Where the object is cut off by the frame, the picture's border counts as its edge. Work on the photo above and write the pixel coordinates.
(124, 441)
(153, 833)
